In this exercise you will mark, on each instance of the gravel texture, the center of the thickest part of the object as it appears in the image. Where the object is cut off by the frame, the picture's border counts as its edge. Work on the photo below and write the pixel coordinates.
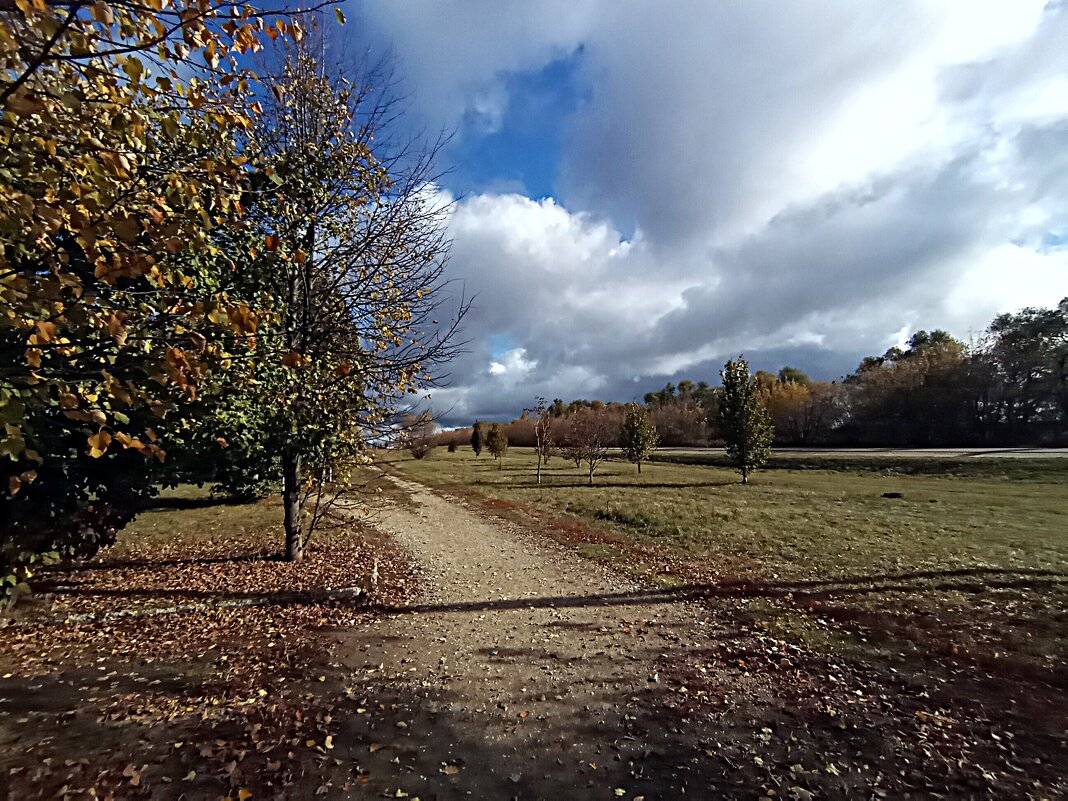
(526, 671)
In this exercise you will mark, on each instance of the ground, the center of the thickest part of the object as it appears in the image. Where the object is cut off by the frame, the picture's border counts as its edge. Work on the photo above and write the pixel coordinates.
(511, 649)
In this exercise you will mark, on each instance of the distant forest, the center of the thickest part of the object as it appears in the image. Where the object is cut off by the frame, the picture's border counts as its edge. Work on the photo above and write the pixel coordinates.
(1008, 388)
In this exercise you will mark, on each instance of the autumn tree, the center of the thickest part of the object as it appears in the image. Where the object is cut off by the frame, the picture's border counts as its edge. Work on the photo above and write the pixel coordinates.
(497, 443)
(744, 423)
(802, 412)
(119, 156)
(352, 248)
(638, 435)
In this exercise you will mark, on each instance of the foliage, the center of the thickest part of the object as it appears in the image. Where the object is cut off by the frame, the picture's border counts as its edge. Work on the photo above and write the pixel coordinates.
(744, 422)
(638, 436)
(351, 249)
(497, 442)
(803, 412)
(477, 438)
(119, 127)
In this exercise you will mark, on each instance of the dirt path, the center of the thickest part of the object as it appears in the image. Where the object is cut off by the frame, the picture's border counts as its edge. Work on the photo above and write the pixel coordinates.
(529, 672)
(526, 673)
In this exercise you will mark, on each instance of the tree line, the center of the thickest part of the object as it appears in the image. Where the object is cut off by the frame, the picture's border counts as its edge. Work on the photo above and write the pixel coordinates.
(208, 274)
(1009, 387)
(589, 432)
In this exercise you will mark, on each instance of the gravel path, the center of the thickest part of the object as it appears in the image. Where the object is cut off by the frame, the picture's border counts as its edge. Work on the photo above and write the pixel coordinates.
(526, 672)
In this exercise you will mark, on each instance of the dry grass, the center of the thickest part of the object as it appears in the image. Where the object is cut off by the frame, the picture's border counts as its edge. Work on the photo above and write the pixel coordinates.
(973, 565)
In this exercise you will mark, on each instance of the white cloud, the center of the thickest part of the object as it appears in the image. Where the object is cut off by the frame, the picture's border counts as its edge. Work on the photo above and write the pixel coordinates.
(806, 178)
(512, 363)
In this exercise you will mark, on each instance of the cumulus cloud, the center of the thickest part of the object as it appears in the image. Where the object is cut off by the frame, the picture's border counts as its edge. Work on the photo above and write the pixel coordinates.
(802, 182)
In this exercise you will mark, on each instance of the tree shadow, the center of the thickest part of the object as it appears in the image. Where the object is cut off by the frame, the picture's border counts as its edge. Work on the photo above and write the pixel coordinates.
(992, 579)
(978, 579)
(178, 504)
(121, 564)
(637, 485)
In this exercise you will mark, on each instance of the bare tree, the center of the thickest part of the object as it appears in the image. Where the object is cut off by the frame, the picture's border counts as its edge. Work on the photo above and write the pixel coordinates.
(417, 433)
(592, 433)
(543, 432)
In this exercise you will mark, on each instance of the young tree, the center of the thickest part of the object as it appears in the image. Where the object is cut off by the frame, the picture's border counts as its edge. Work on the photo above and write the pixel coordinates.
(497, 443)
(478, 438)
(744, 422)
(352, 250)
(417, 433)
(638, 435)
(543, 432)
(592, 433)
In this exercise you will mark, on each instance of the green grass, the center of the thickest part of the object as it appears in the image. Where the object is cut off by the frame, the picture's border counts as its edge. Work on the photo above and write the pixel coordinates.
(895, 462)
(975, 551)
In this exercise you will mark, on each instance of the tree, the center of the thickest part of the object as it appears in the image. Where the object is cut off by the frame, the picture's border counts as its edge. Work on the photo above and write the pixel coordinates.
(497, 443)
(119, 136)
(543, 432)
(789, 375)
(744, 423)
(801, 413)
(417, 433)
(477, 438)
(352, 249)
(591, 434)
(638, 435)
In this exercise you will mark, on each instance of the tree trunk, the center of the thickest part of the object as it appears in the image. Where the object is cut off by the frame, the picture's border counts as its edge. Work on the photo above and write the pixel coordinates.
(291, 503)
(745, 475)
(639, 467)
(539, 468)
(591, 474)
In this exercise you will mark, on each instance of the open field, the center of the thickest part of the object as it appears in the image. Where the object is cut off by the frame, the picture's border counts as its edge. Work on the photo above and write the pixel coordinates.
(974, 564)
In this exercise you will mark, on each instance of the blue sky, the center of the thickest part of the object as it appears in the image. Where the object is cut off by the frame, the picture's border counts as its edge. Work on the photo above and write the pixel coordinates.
(521, 151)
(645, 189)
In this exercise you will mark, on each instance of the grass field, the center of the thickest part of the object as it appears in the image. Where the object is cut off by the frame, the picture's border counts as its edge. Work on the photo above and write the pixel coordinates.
(972, 559)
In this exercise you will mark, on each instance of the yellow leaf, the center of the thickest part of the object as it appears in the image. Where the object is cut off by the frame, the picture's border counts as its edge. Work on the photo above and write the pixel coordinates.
(98, 444)
(46, 331)
(243, 794)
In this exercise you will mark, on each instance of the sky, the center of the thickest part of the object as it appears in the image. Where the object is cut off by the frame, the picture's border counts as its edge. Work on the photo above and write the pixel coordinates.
(645, 189)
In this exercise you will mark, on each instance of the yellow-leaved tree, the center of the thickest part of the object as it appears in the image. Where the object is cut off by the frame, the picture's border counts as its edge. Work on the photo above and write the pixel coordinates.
(119, 129)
